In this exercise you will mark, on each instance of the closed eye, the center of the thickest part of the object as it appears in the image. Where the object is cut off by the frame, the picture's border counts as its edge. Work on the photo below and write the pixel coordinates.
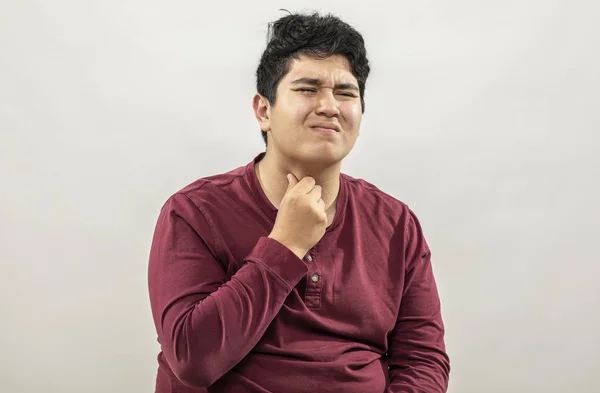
(345, 94)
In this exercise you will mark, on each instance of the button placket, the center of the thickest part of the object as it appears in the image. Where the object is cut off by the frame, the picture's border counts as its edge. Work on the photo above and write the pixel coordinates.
(313, 286)
(311, 257)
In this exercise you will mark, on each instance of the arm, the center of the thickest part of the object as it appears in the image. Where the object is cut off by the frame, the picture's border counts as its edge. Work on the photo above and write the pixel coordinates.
(418, 362)
(206, 323)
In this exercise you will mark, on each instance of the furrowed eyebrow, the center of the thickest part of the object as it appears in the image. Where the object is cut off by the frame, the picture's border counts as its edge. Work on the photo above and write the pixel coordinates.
(317, 82)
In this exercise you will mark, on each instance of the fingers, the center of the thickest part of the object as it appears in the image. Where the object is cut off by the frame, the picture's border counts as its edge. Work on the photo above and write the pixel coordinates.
(315, 193)
(305, 185)
(292, 180)
(321, 203)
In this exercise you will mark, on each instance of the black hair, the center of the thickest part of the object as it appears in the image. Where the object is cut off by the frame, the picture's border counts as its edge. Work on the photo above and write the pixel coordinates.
(318, 36)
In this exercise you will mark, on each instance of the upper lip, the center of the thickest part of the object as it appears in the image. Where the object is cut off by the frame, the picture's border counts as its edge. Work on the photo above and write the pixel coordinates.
(331, 126)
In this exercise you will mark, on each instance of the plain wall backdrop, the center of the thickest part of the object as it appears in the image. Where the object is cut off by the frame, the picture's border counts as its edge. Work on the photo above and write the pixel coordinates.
(482, 116)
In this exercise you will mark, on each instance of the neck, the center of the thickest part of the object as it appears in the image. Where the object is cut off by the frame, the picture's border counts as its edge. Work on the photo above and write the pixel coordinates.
(272, 170)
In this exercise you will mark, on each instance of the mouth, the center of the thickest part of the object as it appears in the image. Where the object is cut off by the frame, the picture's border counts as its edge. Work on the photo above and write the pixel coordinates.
(326, 128)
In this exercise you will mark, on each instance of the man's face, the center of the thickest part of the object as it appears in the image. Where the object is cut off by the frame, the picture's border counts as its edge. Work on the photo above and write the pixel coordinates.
(315, 92)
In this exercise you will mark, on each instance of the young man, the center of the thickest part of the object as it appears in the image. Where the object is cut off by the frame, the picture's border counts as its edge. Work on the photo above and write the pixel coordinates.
(285, 275)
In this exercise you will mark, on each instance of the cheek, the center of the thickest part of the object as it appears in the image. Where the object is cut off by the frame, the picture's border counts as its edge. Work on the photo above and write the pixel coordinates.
(295, 109)
(302, 107)
(352, 115)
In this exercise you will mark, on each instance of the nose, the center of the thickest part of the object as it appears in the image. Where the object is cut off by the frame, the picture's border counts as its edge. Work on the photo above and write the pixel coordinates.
(327, 104)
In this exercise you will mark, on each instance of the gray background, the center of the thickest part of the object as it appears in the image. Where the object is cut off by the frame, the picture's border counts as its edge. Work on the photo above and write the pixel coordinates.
(481, 115)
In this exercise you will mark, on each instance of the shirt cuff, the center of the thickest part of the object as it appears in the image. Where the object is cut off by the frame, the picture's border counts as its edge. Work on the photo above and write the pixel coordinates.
(279, 259)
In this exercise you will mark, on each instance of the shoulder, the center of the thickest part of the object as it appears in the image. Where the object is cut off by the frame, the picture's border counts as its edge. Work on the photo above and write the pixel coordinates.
(193, 201)
(209, 189)
(371, 195)
(386, 207)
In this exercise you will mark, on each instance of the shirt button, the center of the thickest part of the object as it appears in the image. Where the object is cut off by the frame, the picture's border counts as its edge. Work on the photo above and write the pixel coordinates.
(309, 258)
(315, 277)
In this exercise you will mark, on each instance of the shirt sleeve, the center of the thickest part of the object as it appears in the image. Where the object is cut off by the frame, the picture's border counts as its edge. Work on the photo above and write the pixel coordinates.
(418, 361)
(206, 322)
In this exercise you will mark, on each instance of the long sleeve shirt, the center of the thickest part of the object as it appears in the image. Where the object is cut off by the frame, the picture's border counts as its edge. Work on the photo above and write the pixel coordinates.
(236, 311)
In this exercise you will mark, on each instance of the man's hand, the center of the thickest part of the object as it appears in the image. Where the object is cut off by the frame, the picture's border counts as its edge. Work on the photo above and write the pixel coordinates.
(302, 220)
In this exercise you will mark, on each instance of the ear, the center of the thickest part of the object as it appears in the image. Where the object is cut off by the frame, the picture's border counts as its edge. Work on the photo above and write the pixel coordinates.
(262, 111)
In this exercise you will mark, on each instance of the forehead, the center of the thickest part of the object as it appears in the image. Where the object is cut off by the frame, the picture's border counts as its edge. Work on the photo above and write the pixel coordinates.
(331, 70)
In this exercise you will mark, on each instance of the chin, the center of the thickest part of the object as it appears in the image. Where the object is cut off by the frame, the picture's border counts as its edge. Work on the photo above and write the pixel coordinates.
(322, 156)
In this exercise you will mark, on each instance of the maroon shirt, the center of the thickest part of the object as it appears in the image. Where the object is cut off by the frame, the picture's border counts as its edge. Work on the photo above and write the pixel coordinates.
(236, 311)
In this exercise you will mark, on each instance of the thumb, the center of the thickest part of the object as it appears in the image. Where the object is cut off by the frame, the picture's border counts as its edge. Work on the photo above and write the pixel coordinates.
(292, 180)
